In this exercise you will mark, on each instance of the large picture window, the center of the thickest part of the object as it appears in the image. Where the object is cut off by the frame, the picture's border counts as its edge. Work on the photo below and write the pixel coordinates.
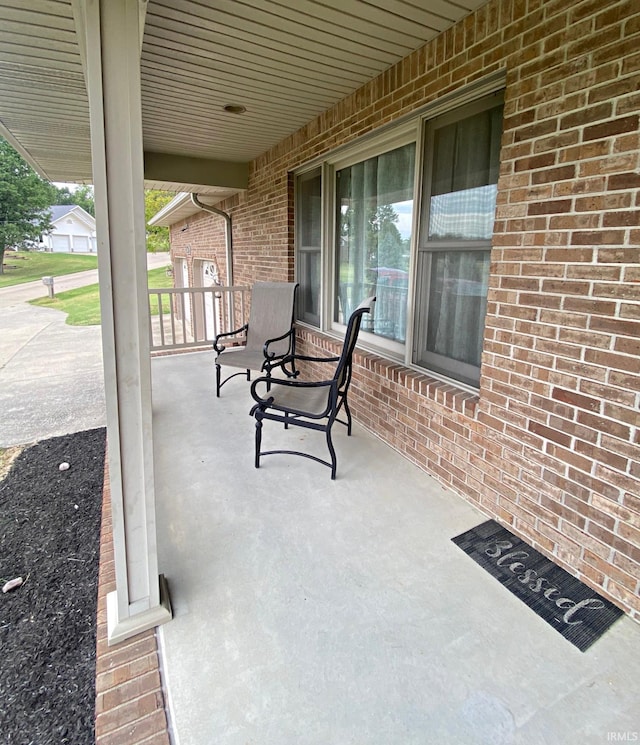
(430, 274)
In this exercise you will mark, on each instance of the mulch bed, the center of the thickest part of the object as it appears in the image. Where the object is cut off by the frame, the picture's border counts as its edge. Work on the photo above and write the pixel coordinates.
(50, 536)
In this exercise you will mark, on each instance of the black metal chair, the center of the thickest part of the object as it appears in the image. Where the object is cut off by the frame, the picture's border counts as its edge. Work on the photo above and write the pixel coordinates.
(308, 403)
(269, 335)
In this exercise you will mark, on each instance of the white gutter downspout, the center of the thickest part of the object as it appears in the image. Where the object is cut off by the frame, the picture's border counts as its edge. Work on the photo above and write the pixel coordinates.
(227, 233)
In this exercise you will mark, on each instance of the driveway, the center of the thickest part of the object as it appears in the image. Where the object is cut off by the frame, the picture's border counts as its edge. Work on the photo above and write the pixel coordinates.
(51, 374)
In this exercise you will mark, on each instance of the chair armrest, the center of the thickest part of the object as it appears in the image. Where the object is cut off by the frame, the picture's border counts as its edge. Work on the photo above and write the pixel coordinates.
(220, 348)
(306, 358)
(270, 355)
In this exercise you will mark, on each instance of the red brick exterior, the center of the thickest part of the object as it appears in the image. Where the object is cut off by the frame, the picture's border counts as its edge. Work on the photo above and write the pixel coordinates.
(550, 445)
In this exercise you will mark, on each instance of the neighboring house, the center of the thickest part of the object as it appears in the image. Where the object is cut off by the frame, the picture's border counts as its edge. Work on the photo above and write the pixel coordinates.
(74, 230)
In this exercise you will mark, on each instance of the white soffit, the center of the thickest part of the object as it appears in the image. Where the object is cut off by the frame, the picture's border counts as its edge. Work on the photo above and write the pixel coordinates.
(181, 207)
(285, 61)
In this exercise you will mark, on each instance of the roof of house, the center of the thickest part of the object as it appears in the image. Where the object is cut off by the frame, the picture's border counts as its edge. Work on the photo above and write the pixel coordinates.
(58, 211)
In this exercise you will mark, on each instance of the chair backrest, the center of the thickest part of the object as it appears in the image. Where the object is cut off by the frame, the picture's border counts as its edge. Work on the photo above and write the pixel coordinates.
(343, 370)
(271, 315)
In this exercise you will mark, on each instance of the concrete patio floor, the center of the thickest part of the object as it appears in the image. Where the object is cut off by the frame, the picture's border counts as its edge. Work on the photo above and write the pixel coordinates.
(315, 612)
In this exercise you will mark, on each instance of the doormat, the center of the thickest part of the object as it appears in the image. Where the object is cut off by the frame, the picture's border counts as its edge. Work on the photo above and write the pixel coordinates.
(564, 602)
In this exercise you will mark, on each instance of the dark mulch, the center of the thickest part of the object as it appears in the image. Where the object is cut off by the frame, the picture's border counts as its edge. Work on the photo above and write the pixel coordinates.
(50, 535)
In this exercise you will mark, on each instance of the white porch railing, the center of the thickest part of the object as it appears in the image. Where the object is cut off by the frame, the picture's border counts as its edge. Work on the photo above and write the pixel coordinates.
(187, 317)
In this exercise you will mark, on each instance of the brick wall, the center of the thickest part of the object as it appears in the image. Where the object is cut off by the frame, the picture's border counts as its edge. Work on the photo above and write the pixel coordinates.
(550, 446)
(200, 238)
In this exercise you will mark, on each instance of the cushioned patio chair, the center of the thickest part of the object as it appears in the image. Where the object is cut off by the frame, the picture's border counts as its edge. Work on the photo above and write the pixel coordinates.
(310, 404)
(269, 335)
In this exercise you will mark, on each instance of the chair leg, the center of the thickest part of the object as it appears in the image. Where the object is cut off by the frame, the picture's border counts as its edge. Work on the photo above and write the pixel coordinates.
(347, 411)
(258, 440)
(217, 381)
(332, 451)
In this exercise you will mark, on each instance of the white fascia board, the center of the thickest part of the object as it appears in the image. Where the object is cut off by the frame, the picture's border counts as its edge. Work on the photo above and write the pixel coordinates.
(163, 216)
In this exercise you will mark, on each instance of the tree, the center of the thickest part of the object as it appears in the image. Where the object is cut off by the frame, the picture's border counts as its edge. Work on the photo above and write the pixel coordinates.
(82, 196)
(157, 236)
(24, 199)
(385, 236)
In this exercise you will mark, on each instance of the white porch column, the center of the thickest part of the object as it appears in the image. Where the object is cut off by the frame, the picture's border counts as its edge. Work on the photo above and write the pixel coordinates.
(109, 33)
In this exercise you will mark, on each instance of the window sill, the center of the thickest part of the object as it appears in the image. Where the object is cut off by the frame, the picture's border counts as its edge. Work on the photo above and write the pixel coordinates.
(443, 392)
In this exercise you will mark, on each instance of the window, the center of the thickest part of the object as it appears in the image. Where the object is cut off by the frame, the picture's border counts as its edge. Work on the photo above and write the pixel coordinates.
(358, 234)
(460, 176)
(309, 244)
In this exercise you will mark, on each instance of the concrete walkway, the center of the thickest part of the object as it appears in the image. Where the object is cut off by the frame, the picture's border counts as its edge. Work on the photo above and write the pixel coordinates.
(51, 379)
(51, 374)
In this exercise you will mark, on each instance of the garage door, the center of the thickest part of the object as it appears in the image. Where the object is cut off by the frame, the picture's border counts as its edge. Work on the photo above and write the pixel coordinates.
(81, 243)
(60, 243)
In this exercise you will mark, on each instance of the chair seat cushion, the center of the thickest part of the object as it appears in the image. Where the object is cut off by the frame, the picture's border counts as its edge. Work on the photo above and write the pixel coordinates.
(312, 401)
(246, 359)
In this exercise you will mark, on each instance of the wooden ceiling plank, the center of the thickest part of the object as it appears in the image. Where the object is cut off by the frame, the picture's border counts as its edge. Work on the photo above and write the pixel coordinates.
(216, 117)
(436, 14)
(208, 135)
(48, 23)
(376, 25)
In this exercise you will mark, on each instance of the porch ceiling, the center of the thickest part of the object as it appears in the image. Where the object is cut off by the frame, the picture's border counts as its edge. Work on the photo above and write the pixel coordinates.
(285, 61)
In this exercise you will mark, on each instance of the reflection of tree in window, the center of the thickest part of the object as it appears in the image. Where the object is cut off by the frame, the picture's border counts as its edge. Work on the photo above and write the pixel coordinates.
(372, 254)
(385, 246)
(389, 247)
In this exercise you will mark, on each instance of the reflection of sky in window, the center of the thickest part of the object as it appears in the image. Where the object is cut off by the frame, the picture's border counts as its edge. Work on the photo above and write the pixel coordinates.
(404, 210)
(467, 214)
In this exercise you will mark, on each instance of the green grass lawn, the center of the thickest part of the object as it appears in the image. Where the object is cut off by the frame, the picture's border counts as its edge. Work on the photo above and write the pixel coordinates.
(26, 266)
(82, 305)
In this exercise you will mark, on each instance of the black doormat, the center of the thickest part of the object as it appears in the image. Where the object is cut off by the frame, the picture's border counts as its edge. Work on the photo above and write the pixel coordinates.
(564, 602)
